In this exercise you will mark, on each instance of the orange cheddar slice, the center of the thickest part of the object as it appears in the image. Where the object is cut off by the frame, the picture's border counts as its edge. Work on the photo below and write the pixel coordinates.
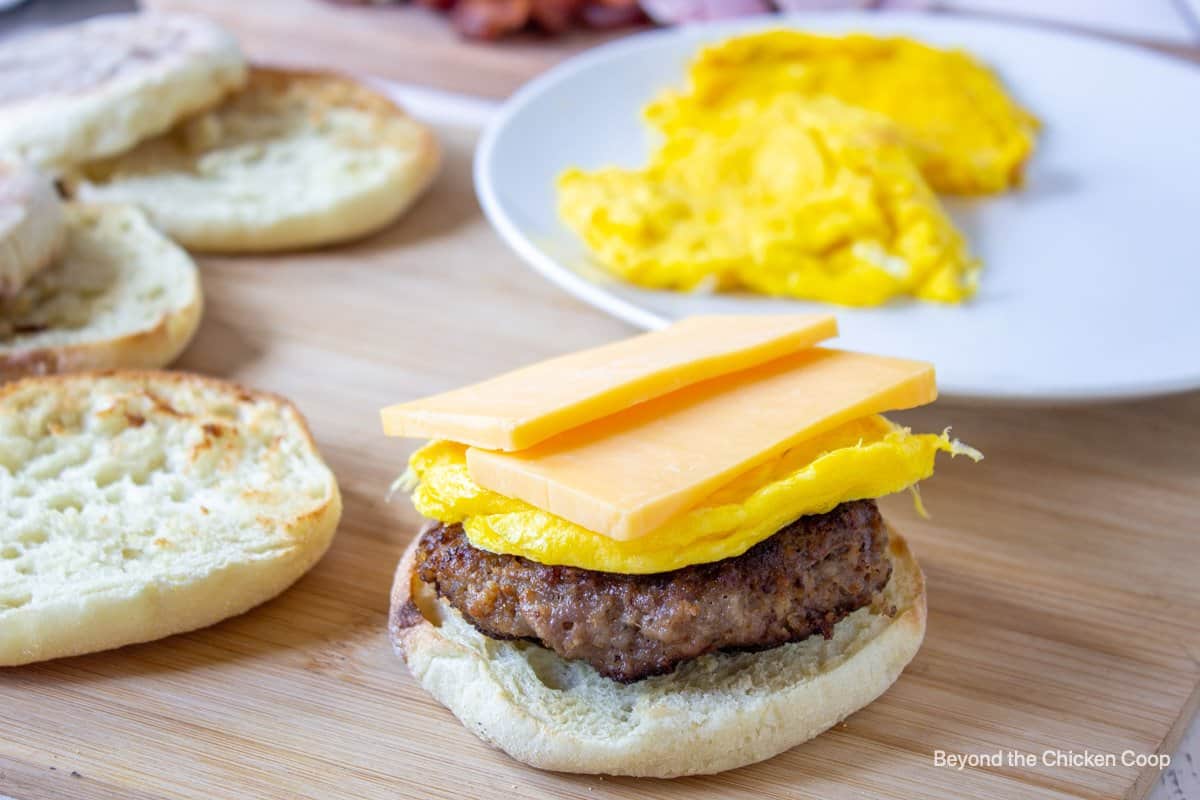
(625, 475)
(521, 408)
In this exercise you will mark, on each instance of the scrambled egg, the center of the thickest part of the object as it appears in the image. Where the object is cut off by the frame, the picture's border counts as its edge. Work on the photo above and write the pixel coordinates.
(967, 134)
(798, 197)
(800, 166)
(867, 458)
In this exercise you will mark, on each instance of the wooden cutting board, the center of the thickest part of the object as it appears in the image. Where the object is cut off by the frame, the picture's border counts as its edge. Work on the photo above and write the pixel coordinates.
(1062, 574)
(414, 45)
(402, 42)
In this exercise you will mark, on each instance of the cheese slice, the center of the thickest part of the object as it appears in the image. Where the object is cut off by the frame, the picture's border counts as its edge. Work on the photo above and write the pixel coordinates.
(627, 474)
(521, 408)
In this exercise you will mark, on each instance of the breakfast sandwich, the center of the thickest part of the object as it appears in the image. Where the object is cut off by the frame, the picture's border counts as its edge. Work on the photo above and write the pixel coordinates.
(663, 556)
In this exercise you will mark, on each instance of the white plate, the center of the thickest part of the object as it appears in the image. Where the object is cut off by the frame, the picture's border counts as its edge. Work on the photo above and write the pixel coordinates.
(1091, 283)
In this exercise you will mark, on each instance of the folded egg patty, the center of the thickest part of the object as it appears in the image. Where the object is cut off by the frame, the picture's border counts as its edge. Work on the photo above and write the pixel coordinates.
(799, 582)
(866, 458)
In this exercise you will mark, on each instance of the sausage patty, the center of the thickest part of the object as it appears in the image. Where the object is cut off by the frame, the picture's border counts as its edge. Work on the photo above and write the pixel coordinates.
(800, 581)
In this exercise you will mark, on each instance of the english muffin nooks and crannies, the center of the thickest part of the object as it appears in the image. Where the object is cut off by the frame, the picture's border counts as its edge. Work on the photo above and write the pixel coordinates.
(143, 504)
(294, 160)
(94, 89)
(33, 227)
(687, 582)
(120, 295)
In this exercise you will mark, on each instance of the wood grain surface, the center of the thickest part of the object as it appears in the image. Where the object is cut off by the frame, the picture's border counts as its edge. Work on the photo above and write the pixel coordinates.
(412, 44)
(401, 42)
(1062, 574)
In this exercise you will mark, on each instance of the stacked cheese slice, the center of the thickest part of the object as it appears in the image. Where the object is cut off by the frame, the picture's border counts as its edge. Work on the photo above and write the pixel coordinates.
(678, 447)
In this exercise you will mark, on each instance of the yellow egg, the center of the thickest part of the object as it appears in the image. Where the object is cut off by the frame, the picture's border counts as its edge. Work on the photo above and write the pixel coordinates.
(796, 196)
(866, 458)
(968, 135)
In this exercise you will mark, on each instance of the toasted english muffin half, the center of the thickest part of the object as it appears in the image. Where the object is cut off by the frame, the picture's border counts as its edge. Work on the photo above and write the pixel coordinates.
(85, 91)
(120, 295)
(142, 504)
(33, 227)
(294, 160)
(714, 713)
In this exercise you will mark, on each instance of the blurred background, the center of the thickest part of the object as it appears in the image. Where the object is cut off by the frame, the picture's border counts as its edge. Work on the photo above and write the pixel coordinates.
(490, 47)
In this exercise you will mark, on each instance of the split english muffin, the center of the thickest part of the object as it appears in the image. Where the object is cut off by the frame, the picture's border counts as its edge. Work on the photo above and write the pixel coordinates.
(33, 227)
(143, 504)
(293, 160)
(95, 89)
(120, 295)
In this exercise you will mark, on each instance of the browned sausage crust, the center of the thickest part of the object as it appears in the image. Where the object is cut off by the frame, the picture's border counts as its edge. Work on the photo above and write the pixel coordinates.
(801, 581)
